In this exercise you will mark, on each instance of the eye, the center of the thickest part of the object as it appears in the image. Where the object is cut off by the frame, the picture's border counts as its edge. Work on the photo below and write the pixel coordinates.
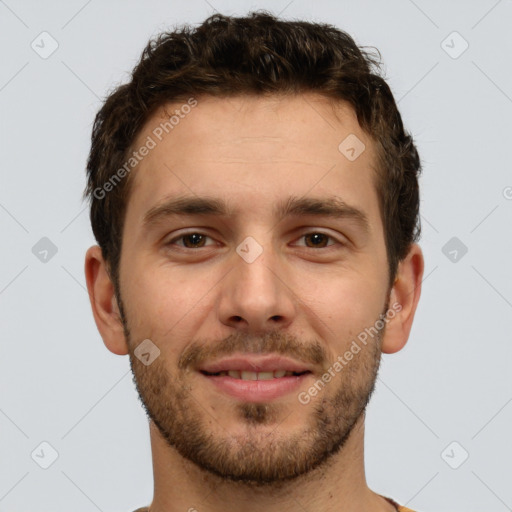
(318, 239)
(192, 240)
(197, 240)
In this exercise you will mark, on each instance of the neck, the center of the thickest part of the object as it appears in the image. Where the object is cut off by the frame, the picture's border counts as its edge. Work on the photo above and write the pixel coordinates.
(339, 485)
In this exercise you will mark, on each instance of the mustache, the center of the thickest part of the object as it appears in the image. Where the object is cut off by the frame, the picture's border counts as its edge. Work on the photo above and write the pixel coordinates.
(271, 342)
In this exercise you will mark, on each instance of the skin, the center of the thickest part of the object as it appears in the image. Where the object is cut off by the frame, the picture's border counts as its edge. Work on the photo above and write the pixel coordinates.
(298, 298)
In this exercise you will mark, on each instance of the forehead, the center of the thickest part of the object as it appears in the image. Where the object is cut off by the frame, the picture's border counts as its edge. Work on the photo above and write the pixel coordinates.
(251, 148)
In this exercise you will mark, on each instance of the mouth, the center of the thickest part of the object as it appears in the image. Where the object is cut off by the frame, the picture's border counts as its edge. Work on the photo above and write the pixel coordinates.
(256, 379)
(249, 375)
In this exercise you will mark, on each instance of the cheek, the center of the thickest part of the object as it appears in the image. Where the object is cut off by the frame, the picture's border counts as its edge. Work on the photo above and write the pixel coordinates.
(350, 305)
(165, 302)
(150, 301)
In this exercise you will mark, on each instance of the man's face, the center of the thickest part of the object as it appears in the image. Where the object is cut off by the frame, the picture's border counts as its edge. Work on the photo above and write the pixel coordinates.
(231, 292)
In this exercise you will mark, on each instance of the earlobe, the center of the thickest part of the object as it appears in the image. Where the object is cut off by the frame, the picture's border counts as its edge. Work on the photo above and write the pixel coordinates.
(103, 302)
(405, 295)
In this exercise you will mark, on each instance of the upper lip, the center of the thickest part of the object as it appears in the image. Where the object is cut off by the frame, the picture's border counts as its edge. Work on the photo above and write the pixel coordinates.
(251, 363)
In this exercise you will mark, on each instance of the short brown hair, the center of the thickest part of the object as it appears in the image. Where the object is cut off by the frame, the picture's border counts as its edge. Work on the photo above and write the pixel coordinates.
(255, 55)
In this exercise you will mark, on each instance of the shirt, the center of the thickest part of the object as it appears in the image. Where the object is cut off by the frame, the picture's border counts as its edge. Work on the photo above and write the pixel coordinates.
(400, 508)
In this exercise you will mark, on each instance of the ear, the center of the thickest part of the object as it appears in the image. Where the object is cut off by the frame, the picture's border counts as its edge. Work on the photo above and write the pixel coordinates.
(405, 293)
(103, 302)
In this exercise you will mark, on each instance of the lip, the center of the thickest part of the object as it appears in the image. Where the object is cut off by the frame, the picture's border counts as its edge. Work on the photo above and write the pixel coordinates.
(256, 363)
(257, 390)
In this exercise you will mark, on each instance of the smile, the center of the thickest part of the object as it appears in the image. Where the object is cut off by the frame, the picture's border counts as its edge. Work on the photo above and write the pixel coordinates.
(248, 375)
(248, 386)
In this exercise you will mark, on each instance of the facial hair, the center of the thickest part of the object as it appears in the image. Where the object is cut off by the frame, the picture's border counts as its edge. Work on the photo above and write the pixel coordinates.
(264, 455)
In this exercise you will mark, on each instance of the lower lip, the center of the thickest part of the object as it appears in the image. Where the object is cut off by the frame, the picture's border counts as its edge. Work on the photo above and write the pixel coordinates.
(258, 390)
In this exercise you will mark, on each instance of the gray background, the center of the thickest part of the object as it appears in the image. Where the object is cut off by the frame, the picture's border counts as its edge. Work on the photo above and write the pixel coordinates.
(451, 383)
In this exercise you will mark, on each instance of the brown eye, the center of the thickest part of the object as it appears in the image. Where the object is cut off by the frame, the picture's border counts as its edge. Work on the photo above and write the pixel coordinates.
(317, 239)
(192, 240)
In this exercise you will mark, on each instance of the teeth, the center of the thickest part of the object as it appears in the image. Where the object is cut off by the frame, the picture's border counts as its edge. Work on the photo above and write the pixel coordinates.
(247, 375)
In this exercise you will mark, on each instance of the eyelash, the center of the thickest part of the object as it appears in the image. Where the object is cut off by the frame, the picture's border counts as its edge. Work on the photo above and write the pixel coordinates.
(171, 242)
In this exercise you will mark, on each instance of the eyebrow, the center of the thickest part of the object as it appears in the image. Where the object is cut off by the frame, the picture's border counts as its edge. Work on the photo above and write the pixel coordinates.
(332, 207)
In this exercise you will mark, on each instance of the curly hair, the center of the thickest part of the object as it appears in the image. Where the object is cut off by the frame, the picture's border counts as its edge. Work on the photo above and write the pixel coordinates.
(254, 55)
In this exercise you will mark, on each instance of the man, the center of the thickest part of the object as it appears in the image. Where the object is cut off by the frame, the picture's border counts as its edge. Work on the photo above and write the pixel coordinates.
(255, 200)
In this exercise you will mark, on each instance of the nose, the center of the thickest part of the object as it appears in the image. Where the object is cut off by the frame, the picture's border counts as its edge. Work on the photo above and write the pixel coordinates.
(257, 296)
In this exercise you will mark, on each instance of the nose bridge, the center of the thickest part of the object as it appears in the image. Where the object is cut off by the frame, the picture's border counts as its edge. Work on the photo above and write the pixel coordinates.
(254, 295)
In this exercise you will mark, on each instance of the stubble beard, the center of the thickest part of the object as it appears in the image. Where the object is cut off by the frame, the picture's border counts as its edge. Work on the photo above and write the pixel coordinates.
(263, 454)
